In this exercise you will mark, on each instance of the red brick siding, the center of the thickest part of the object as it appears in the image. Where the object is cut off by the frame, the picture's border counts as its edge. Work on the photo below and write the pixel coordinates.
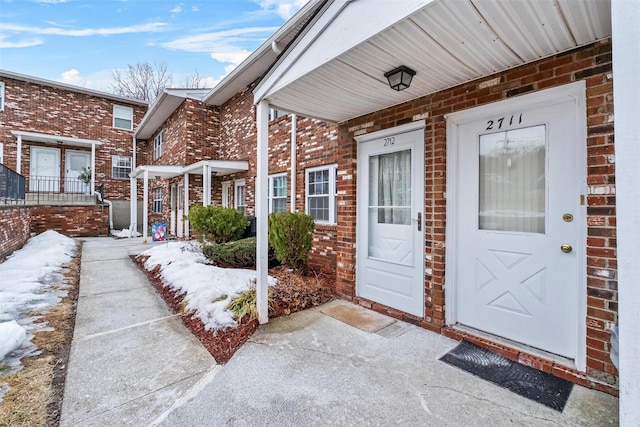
(14, 228)
(40, 108)
(72, 221)
(591, 64)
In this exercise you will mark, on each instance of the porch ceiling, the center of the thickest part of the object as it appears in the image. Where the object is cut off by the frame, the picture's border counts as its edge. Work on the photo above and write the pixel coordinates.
(55, 139)
(217, 167)
(446, 42)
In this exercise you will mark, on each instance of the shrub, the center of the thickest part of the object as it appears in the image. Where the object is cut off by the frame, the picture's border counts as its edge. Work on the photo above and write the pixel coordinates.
(246, 305)
(291, 235)
(217, 224)
(238, 254)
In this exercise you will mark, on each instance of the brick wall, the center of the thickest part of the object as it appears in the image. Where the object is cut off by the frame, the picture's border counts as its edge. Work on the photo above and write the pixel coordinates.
(591, 64)
(14, 228)
(41, 108)
(72, 221)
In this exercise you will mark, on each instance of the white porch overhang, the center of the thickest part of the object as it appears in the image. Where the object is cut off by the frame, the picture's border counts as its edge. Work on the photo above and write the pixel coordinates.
(206, 168)
(335, 72)
(68, 141)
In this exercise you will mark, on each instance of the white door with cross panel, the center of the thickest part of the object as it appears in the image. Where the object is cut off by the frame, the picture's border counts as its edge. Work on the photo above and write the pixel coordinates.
(519, 223)
(390, 248)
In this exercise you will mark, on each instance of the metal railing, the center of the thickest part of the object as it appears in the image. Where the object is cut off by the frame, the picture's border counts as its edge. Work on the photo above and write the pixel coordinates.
(12, 186)
(53, 189)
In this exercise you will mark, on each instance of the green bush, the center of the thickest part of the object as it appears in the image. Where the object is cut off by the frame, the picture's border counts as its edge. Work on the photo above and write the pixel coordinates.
(217, 224)
(291, 235)
(238, 254)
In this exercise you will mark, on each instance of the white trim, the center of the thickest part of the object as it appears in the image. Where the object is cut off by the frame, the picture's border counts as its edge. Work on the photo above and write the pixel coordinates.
(239, 183)
(261, 212)
(270, 188)
(541, 99)
(158, 142)
(419, 124)
(2, 99)
(226, 194)
(1, 153)
(114, 165)
(122, 109)
(157, 199)
(54, 139)
(333, 193)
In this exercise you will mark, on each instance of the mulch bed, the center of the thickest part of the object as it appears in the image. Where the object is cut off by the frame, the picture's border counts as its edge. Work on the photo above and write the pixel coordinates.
(293, 292)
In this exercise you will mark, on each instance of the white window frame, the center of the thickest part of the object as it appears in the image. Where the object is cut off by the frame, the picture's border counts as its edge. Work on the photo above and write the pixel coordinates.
(270, 197)
(227, 202)
(1, 96)
(158, 142)
(157, 200)
(333, 170)
(236, 195)
(115, 164)
(123, 113)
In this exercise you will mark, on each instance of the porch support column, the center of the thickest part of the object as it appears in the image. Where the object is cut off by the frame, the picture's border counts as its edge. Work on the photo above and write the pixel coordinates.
(19, 155)
(145, 206)
(133, 208)
(262, 211)
(625, 19)
(206, 185)
(93, 169)
(294, 159)
(185, 232)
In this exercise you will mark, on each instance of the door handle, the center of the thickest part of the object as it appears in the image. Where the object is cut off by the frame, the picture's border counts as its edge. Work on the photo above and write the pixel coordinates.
(566, 248)
(419, 221)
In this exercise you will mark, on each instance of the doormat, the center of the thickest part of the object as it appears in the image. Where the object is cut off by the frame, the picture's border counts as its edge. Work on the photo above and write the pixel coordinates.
(358, 317)
(528, 382)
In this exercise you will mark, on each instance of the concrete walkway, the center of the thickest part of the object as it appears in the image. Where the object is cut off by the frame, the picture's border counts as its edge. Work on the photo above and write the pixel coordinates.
(131, 358)
(133, 363)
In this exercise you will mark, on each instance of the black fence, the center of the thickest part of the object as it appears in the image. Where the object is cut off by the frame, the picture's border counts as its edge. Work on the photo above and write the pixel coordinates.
(12, 186)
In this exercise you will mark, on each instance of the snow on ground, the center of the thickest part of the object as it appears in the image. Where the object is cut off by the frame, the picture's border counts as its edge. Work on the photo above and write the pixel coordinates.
(209, 289)
(29, 281)
(125, 233)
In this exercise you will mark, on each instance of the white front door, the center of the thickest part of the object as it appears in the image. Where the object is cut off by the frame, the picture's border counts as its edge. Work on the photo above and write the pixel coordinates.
(519, 240)
(45, 169)
(76, 162)
(180, 210)
(390, 239)
(226, 194)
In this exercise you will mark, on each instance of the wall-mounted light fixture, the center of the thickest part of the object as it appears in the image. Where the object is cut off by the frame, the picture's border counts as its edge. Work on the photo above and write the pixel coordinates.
(400, 78)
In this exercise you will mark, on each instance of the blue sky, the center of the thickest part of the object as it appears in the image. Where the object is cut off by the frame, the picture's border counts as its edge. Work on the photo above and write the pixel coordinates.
(80, 42)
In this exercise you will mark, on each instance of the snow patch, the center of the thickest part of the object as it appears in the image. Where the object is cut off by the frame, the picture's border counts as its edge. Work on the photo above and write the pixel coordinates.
(12, 336)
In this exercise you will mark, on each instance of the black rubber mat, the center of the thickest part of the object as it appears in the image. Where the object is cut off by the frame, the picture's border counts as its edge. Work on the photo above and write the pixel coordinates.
(536, 385)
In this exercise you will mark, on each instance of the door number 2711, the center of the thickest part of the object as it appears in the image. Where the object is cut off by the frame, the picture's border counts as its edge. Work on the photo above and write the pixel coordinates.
(514, 119)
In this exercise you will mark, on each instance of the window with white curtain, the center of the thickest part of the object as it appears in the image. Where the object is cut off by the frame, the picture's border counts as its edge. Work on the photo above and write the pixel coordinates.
(321, 193)
(390, 187)
(122, 117)
(512, 192)
(240, 196)
(120, 167)
(277, 193)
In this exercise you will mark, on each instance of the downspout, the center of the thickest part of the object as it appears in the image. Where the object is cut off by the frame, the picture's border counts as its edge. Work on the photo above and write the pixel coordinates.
(108, 203)
(294, 157)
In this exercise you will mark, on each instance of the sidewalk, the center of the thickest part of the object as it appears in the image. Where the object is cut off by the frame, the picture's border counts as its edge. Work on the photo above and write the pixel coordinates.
(131, 358)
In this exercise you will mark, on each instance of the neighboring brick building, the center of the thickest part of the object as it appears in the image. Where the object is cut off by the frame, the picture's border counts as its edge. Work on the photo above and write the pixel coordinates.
(50, 132)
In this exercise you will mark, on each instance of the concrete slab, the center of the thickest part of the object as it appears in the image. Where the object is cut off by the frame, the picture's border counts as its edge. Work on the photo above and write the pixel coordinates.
(356, 316)
(131, 357)
(310, 369)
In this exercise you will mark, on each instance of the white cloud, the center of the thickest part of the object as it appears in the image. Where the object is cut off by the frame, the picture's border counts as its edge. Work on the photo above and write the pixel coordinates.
(224, 46)
(195, 9)
(73, 77)
(284, 8)
(177, 9)
(5, 44)
(50, 1)
(57, 31)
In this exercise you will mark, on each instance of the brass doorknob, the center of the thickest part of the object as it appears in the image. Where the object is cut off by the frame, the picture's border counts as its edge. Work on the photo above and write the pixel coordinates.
(566, 248)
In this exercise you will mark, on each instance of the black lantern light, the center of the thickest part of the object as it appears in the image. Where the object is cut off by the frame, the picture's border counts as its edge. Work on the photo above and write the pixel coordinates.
(400, 78)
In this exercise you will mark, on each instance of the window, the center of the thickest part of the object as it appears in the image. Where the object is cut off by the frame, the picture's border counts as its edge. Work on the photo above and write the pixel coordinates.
(157, 200)
(226, 194)
(120, 167)
(277, 193)
(275, 114)
(240, 199)
(157, 146)
(321, 194)
(1, 96)
(122, 117)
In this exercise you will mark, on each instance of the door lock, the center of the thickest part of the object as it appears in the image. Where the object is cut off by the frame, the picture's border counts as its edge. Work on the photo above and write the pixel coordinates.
(566, 248)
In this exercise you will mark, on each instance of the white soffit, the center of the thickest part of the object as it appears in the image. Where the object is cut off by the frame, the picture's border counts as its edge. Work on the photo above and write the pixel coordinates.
(446, 42)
